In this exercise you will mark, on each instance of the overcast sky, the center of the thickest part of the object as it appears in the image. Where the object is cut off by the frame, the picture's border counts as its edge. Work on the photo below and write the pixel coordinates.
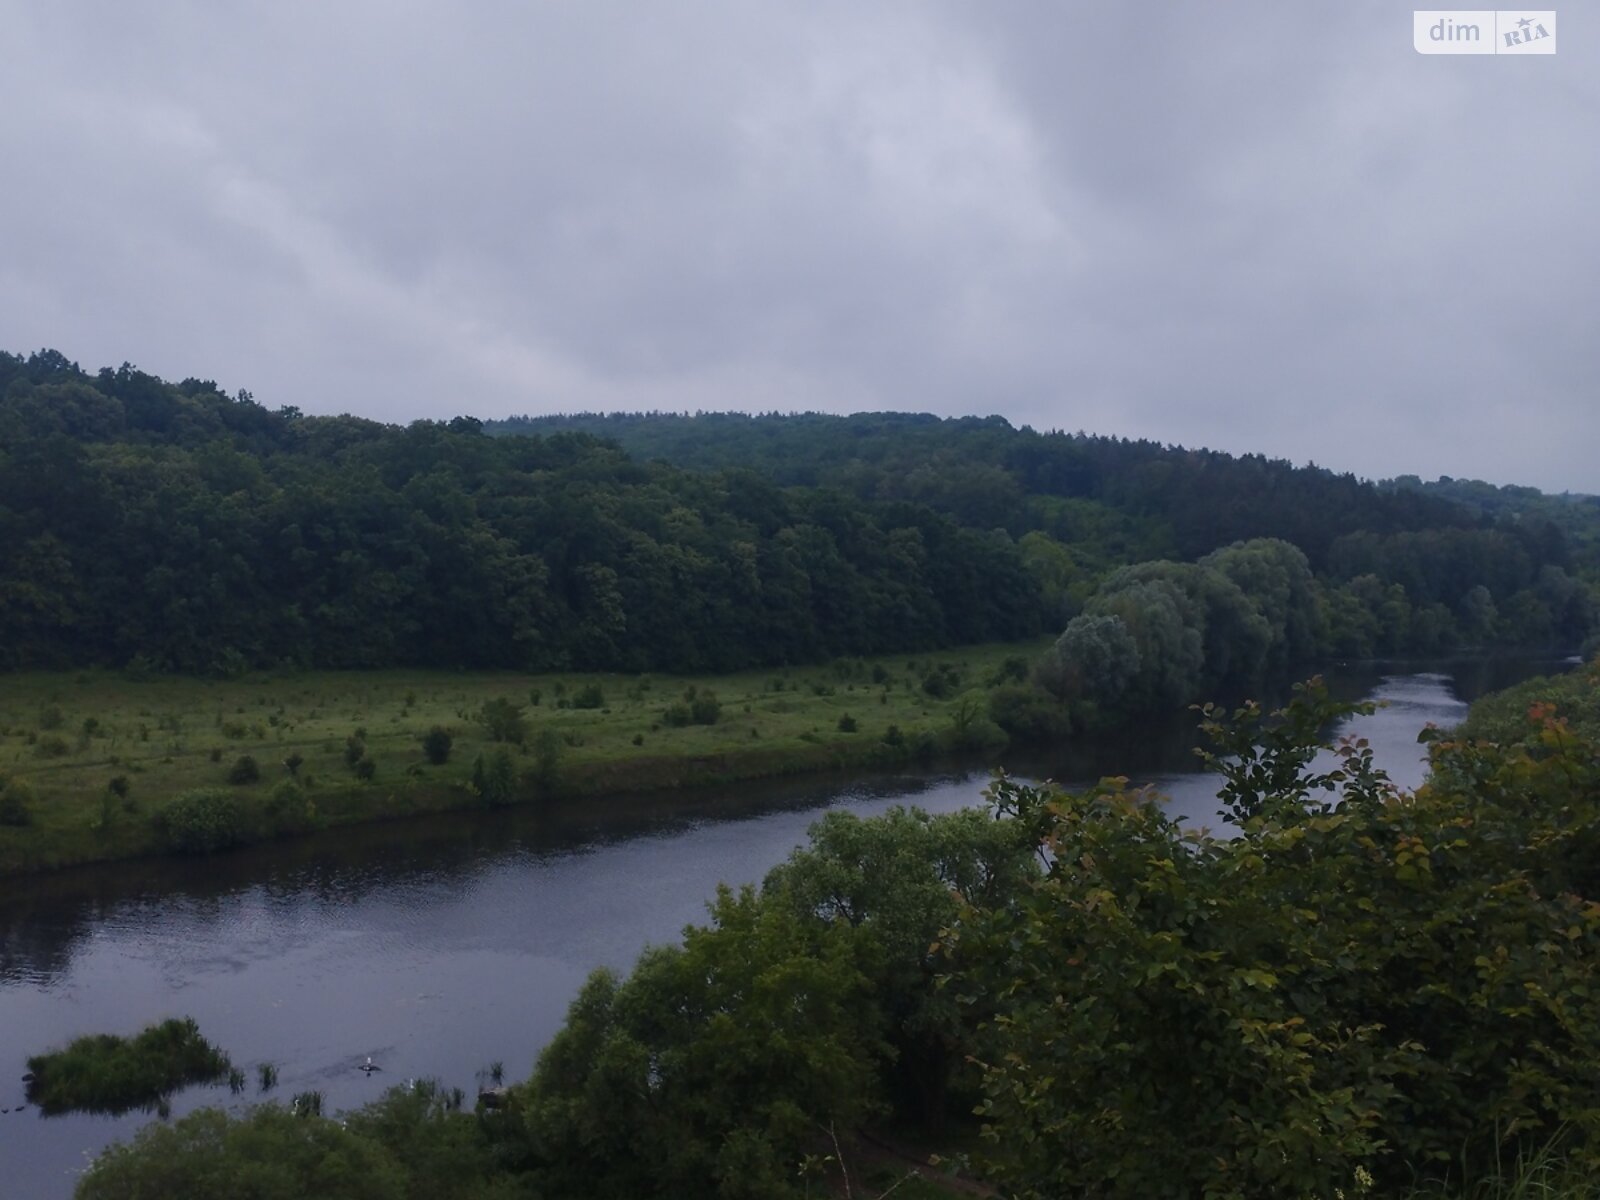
(1264, 227)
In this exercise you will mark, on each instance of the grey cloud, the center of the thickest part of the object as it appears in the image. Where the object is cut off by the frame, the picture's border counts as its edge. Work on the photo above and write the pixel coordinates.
(1255, 227)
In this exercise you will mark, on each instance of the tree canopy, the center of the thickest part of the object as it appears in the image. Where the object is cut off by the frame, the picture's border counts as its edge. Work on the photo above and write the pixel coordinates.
(172, 526)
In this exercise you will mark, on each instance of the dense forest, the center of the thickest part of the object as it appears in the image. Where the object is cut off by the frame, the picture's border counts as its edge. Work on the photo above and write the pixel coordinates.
(1151, 501)
(159, 526)
(176, 527)
(1399, 566)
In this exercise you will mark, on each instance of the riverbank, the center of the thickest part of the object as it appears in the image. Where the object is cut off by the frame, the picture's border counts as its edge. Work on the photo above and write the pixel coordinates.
(442, 945)
(98, 767)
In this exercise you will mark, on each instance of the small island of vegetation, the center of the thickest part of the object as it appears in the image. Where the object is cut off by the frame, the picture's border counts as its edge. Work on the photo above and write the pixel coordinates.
(104, 1073)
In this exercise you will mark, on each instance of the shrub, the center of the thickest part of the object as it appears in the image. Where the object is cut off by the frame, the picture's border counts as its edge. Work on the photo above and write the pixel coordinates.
(696, 708)
(293, 763)
(202, 822)
(289, 809)
(244, 770)
(354, 750)
(306, 1104)
(503, 721)
(970, 728)
(1029, 713)
(494, 778)
(50, 746)
(704, 707)
(436, 745)
(712, 1066)
(1013, 670)
(16, 804)
(51, 717)
(365, 769)
(590, 695)
(400, 1147)
(847, 724)
(941, 681)
(893, 737)
(547, 759)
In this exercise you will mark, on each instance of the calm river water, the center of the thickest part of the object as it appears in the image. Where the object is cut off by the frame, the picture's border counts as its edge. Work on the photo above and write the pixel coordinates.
(440, 946)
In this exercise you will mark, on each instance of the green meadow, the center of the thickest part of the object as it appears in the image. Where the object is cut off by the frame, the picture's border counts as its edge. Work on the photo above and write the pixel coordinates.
(97, 766)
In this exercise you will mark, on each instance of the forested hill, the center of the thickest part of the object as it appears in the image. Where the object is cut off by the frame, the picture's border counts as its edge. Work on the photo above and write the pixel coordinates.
(1402, 566)
(172, 526)
(1156, 501)
(1578, 516)
(175, 527)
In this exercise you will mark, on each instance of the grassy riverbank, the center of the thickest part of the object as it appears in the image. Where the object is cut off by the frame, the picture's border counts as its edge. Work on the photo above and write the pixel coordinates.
(95, 764)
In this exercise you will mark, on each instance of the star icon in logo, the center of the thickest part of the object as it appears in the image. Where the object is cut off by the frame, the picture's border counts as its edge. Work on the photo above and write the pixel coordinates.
(1525, 22)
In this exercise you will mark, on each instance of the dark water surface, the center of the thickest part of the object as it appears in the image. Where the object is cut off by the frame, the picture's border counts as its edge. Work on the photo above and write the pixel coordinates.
(440, 945)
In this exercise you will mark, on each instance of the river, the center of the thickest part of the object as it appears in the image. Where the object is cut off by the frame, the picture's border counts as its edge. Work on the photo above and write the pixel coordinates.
(442, 945)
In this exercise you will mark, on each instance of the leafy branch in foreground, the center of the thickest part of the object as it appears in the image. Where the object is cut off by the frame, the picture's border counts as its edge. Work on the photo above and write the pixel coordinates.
(1265, 759)
(1376, 982)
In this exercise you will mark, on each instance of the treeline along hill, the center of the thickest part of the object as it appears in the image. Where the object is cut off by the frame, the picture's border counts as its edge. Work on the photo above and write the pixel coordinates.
(172, 527)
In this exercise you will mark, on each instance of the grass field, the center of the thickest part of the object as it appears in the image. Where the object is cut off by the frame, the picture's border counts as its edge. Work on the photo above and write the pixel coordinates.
(93, 762)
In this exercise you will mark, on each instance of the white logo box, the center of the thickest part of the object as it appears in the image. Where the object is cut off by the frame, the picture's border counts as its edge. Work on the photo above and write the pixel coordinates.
(1483, 31)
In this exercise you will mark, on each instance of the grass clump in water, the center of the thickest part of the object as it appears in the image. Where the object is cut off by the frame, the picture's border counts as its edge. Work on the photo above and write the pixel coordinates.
(110, 1074)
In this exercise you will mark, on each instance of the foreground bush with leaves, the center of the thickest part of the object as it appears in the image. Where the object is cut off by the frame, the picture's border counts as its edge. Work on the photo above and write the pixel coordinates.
(412, 1144)
(1361, 985)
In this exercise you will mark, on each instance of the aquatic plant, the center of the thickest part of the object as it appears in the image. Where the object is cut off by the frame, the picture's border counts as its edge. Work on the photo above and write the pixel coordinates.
(110, 1074)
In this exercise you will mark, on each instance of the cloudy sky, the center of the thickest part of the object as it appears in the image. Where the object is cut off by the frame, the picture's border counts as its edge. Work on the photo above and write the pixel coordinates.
(1254, 226)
